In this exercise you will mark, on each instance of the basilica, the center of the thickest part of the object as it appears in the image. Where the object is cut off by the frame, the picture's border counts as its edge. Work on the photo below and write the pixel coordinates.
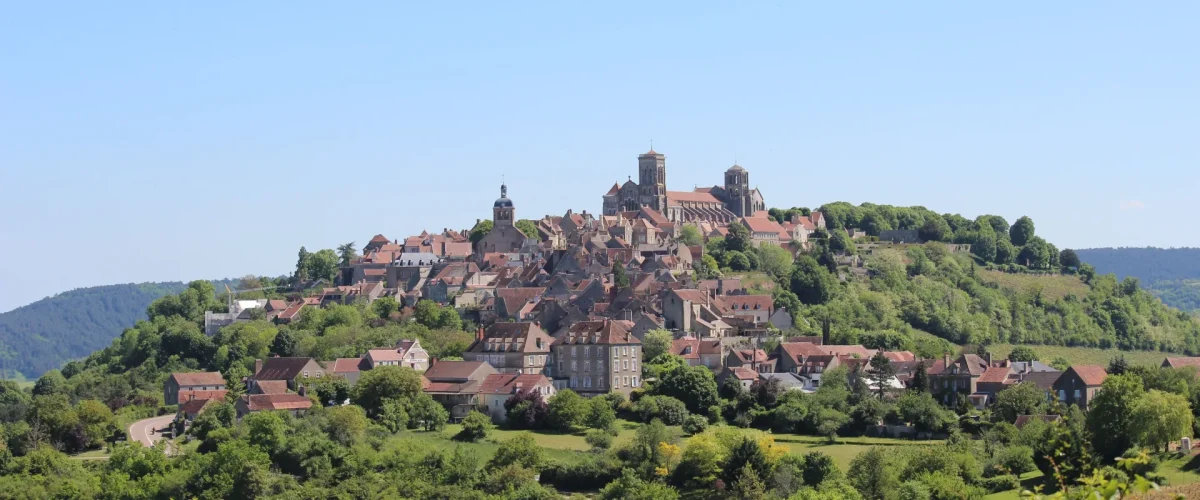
(721, 204)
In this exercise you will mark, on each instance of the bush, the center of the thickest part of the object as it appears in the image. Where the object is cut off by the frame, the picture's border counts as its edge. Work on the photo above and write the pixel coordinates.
(599, 438)
(590, 474)
(1001, 483)
(670, 410)
(694, 424)
(1011, 460)
(475, 427)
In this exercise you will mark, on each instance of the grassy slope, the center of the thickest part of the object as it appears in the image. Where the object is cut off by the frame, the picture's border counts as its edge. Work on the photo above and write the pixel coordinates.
(1053, 287)
(1085, 355)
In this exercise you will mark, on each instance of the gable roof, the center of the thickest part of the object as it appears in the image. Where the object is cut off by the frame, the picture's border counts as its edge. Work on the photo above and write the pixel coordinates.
(288, 401)
(455, 370)
(348, 365)
(1090, 374)
(194, 406)
(677, 197)
(509, 383)
(800, 350)
(385, 355)
(1180, 362)
(282, 368)
(513, 337)
(1044, 380)
(743, 373)
(198, 378)
(599, 332)
(996, 374)
(513, 299)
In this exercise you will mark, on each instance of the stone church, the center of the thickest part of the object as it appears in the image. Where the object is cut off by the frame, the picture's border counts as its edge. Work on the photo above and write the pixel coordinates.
(504, 236)
(715, 204)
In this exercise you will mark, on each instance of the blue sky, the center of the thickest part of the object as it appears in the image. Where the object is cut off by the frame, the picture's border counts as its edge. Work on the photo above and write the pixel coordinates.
(152, 141)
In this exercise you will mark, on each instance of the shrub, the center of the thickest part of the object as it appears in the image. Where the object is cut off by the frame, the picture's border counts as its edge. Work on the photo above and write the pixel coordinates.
(1001, 483)
(598, 438)
(475, 427)
(694, 424)
(1012, 460)
(670, 410)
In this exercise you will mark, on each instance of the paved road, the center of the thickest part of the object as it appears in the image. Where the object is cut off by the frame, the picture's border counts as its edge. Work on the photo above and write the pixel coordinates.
(140, 431)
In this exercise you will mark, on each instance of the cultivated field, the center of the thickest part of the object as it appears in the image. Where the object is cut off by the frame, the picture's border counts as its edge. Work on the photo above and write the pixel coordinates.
(1052, 286)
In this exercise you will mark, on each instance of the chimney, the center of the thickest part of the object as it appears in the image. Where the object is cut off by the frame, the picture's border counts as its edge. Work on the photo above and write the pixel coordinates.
(945, 360)
(257, 366)
(989, 358)
(479, 334)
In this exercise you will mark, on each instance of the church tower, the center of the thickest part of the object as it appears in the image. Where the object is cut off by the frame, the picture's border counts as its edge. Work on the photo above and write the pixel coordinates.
(737, 191)
(502, 210)
(652, 180)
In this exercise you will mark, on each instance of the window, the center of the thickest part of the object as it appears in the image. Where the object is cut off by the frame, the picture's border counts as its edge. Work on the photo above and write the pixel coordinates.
(625, 364)
(624, 351)
(625, 381)
(1062, 395)
(616, 381)
(587, 351)
(305, 374)
(573, 348)
(574, 382)
(587, 365)
(587, 381)
(616, 352)
(1077, 394)
(574, 366)
(635, 381)
(633, 365)
(529, 360)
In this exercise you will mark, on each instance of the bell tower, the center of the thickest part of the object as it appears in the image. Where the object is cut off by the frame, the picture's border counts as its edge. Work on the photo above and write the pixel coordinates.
(652, 180)
(503, 210)
(737, 191)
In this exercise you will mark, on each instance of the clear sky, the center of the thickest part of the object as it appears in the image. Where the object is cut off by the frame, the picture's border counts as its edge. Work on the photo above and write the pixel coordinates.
(162, 141)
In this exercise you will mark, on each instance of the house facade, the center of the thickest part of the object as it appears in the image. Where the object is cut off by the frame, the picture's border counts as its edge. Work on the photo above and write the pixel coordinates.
(512, 347)
(497, 388)
(1079, 385)
(182, 387)
(597, 357)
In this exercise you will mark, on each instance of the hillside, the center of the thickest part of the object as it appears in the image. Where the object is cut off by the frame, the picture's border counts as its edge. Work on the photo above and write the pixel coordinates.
(47, 333)
(1171, 274)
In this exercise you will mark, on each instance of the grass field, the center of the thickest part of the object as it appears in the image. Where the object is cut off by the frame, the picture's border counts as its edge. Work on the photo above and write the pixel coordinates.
(1180, 471)
(1053, 287)
(1084, 355)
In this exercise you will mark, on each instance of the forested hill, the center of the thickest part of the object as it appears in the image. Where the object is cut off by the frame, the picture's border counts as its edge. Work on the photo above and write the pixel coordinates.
(47, 333)
(1172, 274)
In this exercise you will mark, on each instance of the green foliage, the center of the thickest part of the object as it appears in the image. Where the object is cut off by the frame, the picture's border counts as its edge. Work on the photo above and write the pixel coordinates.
(1020, 399)
(1021, 231)
(475, 427)
(695, 424)
(376, 386)
(631, 487)
(690, 235)
(1111, 417)
(620, 278)
(346, 425)
(520, 450)
(1161, 418)
(480, 230)
(426, 413)
(1022, 353)
(666, 409)
(694, 385)
(567, 409)
(811, 282)
(47, 333)
(527, 227)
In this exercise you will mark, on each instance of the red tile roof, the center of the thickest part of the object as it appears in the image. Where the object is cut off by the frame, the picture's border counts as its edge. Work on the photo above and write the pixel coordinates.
(743, 373)
(800, 350)
(677, 197)
(347, 365)
(509, 383)
(742, 303)
(194, 406)
(385, 355)
(259, 402)
(615, 189)
(599, 332)
(271, 386)
(995, 375)
(1180, 362)
(217, 394)
(1091, 374)
(513, 337)
(455, 370)
(198, 378)
(762, 225)
(900, 356)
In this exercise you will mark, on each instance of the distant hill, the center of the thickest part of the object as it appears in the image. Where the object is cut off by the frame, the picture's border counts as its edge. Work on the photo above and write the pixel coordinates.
(1172, 274)
(47, 333)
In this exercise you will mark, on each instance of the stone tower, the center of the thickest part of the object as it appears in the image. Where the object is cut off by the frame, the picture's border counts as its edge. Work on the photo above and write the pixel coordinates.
(502, 210)
(737, 191)
(652, 180)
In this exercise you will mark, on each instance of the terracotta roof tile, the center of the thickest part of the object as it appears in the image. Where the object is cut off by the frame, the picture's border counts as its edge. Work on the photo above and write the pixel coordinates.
(995, 375)
(260, 402)
(198, 378)
(509, 383)
(1091, 374)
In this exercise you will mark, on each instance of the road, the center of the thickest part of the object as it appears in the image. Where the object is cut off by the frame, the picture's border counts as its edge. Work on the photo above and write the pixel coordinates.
(140, 431)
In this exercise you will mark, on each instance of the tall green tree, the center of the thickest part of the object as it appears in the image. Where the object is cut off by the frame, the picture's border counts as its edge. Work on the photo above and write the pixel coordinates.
(881, 373)
(690, 236)
(323, 265)
(1161, 417)
(620, 279)
(1017, 400)
(1021, 231)
(656, 342)
(1110, 416)
(738, 239)
(694, 385)
(480, 230)
(528, 228)
(811, 282)
(301, 273)
(346, 253)
(1069, 259)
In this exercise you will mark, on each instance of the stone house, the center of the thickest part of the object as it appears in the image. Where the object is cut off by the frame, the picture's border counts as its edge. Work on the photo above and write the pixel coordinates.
(456, 384)
(349, 368)
(754, 359)
(1079, 384)
(699, 352)
(790, 356)
(743, 375)
(950, 379)
(512, 347)
(289, 402)
(597, 357)
(287, 370)
(182, 387)
(498, 388)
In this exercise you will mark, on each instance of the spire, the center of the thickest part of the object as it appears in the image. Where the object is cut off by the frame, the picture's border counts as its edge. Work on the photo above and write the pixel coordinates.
(503, 190)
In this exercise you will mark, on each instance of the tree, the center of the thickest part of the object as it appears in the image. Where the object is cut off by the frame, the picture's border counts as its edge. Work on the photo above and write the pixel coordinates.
(839, 242)
(323, 265)
(393, 415)
(266, 430)
(872, 474)
(50, 383)
(1060, 363)
(302, 265)
(935, 229)
(599, 439)
(97, 420)
(383, 307)
(620, 279)
(526, 409)
(1017, 400)
(1069, 259)
(924, 412)
(383, 383)
(881, 373)
(631, 487)
(775, 260)
(1021, 231)
(690, 235)
(920, 380)
(346, 424)
(819, 467)
(737, 261)
(1110, 416)
(601, 414)
(347, 253)
(475, 427)
(427, 413)
(707, 268)
(528, 228)
(480, 230)
(1006, 253)
(694, 385)
(285, 343)
(1118, 365)
(1022, 353)
(1162, 417)
(567, 410)
(738, 239)
(811, 282)
(520, 450)
(694, 424)
(747, 485)
(656, 342)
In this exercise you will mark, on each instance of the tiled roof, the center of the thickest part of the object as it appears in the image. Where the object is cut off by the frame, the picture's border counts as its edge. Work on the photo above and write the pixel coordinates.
(347, 365)
(385, 355)
(259, 402)
(800, 350)
(697, 296)
(513, 337)
(686, 347)
(271, 386)
(994, 375)
(194, 406)
(454, 370)
(743, 373)
(750, 356)
(742, 303)
(900, 356)
(1091, 374)
(1181, 362)
(509, 383)
(762, 225)
(198, 378)
(1044, 380)
(515, 298)
(615, 189)
(850, 350)
(281, 368)
(676, 197)
(218, 394)
(599, 332)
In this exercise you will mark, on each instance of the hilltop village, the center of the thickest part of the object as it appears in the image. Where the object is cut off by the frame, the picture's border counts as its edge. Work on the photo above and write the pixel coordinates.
(566, 302)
